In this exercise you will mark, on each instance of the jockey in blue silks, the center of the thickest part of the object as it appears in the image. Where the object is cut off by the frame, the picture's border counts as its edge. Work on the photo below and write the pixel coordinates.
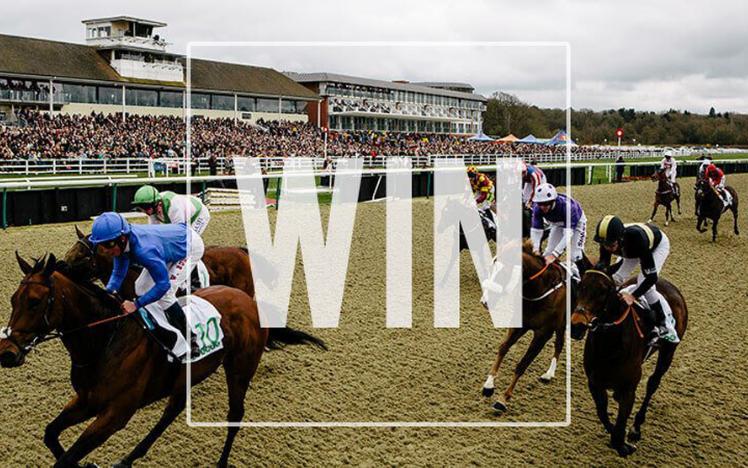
(162, 249)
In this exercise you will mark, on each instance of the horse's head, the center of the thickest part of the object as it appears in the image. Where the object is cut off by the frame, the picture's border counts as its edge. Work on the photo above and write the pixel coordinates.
(659, 174)
(33, 315)
(81, 257)
(595, 291)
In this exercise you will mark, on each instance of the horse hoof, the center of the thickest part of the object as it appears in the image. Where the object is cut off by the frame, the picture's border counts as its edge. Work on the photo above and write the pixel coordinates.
(122, 464)
(499, 407)
(626, 449)
(666, 223)
(634, 435)
(487, 392)
(546, 379)
(649, 220)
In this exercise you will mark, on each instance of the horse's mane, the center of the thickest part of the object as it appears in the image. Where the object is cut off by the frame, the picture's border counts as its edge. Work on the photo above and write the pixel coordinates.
(86, 286)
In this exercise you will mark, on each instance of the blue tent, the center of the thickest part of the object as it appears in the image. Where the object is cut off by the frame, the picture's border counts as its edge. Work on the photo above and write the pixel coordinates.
(480, 137)
(561, 138)
(528, 139)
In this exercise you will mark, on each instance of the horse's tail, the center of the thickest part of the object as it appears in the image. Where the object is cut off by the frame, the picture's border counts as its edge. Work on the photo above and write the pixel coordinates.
(279, 337)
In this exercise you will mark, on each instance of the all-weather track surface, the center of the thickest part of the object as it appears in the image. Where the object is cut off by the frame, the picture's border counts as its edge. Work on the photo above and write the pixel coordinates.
(424, 374)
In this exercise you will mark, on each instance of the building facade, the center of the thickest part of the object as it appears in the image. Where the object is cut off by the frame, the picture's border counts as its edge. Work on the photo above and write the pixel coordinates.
(354, 103)
(124, 67)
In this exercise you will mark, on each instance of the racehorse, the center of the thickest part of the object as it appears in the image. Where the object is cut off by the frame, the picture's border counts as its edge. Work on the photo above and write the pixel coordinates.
(543, 312)
(615, 349)
(116, 368)
(665, 195)
(228, 266)
(710, 206)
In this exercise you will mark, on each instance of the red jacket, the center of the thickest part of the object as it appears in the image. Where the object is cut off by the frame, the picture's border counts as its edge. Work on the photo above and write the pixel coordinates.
(714, 174)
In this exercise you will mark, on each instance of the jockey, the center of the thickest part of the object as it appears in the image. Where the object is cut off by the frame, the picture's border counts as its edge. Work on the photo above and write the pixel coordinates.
(548, 205)
(482, 186)
(706, 161)
(668, 164)
(162, 250)
(170, 208)
(532, 177)
(648, 247)
(716, 178)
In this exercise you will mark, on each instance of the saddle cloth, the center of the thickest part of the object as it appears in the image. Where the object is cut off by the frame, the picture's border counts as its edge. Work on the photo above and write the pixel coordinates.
(205, 324)
(672, 335)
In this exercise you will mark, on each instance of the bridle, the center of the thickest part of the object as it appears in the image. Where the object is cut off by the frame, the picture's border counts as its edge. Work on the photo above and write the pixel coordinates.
(595, 324)
(39, 337)
(547, 293)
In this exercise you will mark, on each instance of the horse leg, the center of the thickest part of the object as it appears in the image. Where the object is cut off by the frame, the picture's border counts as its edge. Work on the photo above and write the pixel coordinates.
(714, 230)
(618, 436)
(600, 397)
(173, 409)
(539, 339)
(239, 373)
(663, 364)
(734, 208)
(511, 338)
(654, 212)
(558, 346)
(105, 424)
(699, 222)
(74, 412)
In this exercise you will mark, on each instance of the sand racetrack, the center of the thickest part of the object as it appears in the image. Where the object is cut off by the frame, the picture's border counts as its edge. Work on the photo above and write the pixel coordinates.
(371, 373)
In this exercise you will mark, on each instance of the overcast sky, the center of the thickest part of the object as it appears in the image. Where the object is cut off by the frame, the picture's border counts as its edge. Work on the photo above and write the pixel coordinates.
(647, 55)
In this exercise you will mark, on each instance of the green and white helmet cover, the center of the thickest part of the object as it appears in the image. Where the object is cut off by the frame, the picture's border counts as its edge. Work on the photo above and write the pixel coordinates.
(146, 195)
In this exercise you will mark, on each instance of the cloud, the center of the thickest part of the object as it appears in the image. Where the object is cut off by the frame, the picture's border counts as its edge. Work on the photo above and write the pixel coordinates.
(647, 55)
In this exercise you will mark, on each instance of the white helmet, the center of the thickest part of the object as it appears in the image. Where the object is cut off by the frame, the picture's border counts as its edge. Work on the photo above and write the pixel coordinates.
(545, 193)
(668, 153)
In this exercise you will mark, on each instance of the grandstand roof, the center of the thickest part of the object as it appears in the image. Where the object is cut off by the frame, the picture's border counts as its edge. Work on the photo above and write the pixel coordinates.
(23, 56)
(155, 24)
(355, 80)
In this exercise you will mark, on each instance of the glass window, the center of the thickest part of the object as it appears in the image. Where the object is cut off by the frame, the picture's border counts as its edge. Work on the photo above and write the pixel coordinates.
(110, 95)
(267, 105)
(301, 107)
(200, 101)
(288, 106)
(222, 102)
(141, 97)
(79, 93)
(246, 104)
(170, 99)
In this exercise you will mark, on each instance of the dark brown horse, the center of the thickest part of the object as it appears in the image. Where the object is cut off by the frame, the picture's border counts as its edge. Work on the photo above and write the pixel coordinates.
(616, 348)
(710, 207)
(665, 195)
(116, 368)
(543, 312)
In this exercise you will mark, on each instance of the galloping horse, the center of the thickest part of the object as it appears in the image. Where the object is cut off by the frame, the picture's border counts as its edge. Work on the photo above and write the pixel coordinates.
(710, 206)
(228, 266)
(616, 348)
(116, 368)
(543, 312)
(665, 195)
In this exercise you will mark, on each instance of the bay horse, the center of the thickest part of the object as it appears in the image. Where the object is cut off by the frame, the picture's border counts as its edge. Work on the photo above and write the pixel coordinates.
(543, 312)
(665, 195)
(228, 266)
(615, 349)
(710, 207)
(116, 368)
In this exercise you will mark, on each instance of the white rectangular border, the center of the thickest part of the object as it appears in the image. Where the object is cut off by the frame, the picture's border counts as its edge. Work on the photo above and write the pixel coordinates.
(350, 424)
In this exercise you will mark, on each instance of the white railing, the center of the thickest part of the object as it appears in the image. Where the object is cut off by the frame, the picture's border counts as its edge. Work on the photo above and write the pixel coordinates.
(176, 166)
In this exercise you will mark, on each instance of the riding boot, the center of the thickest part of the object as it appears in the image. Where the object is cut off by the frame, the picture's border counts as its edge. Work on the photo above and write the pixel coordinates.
(195, 279)
(659, 327)
(176, 317)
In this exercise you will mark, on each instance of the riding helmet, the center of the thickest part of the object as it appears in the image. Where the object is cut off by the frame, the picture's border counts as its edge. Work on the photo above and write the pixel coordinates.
(109, 226)
(609, 230)
(146, 195)
(545, 193)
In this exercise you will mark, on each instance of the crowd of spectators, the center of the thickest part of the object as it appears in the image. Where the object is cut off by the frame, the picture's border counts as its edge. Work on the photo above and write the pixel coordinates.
(42, 136)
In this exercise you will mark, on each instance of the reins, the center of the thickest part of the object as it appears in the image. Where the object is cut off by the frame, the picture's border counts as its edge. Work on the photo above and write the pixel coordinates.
(595, 324)
(548, 292)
